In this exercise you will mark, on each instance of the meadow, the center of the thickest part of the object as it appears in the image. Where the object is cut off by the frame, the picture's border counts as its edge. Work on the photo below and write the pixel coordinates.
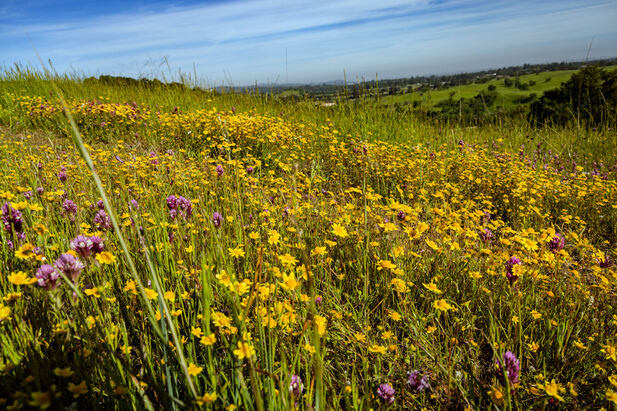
(508, 96)
(178, 249)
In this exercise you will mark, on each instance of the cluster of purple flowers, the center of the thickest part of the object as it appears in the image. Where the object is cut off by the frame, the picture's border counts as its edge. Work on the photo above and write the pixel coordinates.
(386, 393)
(416, 381)
(70, 208)
(48, 275)
(87, 246)
(217, 219)
(486, 235)
(511, 365)
(62, 175)
(102, 220)
(12, 219)
(179, 206)
(512, 261)
(219, 170)
(296, 387)
(557, 243)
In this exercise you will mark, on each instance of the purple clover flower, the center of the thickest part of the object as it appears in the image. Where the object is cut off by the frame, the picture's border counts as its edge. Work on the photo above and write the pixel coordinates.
(82, 245)
(217, 219)
(295, 386)
(512, 367)
(47, 277)
(70, 266)
(102, 220)
(12, 219)
(69, 207)
(416, 381)
(557, 243)
(386, 393)
(219, 170)
(97, 244)
(250, 170)
(179, 206)
(486, 235)
(510, 269)
(62, 175)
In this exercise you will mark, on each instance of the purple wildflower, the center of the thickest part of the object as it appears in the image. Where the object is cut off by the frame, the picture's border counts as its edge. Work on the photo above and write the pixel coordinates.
(82, 245)
(185, 207)
(47, 277)
(102, 220)
(70, 266)
(318, 299)
(386, 393)
(401, 215)
(97, 244)
(40, 190)
(100, 204)
(416, 381)
(219, 170)
(486, 235)
(134, 204)
(28, 194)
(217, 219)
(171, 202)
(512, 366)
(249, 170)
(557, 243)
(295, 386)
(510, 269)
(62, 174)
(69, 207)
(11, 218)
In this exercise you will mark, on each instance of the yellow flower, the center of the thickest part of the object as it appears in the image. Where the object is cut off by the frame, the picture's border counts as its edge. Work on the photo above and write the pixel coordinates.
(207, 398)
(432, 287)
(78, 389)
(244, 350)
(432, 245)
(379, 349)
(309, 348)
(21, 278)
(236, 252)
(196, 331)
(5, 312)
(553, 389)
(610, 352)
(194, 369)
(442, 305)
(533, 347)
(394, 315)
(360, 337)
(320, 322)
(41, 399)
(208, 339)
(63, 372)
(273, 237)
(319, 251)
(170, 296)
(536, 315)
(151, 294)
(25, 252)
(93, 292)
(611, 395)
(339, 230)
(131, 287)
(288, 260)
(385, 264)
(105, 257)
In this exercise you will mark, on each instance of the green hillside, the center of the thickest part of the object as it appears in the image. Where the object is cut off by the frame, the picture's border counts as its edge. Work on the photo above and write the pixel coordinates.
(508, 96)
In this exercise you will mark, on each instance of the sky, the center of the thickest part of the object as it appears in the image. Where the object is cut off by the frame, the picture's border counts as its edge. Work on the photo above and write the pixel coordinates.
(243, 42)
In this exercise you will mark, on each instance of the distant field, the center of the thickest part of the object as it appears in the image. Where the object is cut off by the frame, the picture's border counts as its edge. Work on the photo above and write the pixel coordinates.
(545, 80)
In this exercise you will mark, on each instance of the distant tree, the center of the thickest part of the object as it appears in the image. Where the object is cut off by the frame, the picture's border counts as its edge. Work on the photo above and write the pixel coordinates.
(588, 97)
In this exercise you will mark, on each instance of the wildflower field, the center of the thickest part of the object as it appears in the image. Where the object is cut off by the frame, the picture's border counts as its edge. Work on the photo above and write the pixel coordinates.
(231, 252)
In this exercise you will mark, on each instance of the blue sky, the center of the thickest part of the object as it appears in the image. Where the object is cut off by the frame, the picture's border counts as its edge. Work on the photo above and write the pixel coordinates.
(240, 42)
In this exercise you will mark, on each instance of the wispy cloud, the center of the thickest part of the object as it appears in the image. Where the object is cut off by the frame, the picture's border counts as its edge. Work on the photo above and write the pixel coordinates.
(246, 40)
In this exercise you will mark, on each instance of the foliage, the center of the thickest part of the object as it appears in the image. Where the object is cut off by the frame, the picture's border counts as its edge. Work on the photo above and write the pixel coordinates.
(589, 97)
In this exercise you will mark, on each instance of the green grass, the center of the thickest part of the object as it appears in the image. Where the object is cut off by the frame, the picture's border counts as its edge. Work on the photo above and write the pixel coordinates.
(380, 214)
(507, 95)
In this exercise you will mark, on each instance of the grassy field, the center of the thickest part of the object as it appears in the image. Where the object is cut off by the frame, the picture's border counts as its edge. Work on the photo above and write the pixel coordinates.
(508, 96)
(234, 252)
